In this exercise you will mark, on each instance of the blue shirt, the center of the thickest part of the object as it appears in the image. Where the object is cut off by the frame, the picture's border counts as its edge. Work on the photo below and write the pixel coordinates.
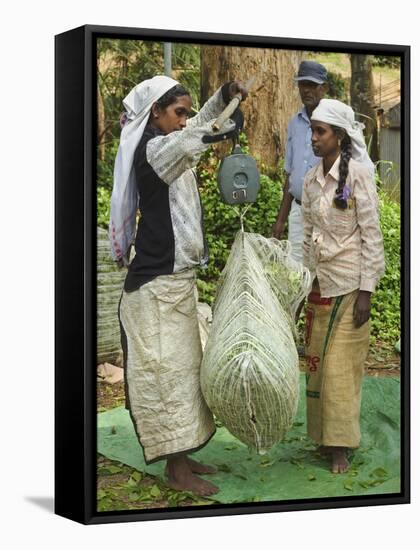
(299, 154)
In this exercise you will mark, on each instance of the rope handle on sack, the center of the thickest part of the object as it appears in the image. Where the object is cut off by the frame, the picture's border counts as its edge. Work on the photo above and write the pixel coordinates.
(242, 215)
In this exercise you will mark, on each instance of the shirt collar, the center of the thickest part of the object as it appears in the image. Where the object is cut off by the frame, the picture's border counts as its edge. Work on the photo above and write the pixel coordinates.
(304, 115)
(333, 172)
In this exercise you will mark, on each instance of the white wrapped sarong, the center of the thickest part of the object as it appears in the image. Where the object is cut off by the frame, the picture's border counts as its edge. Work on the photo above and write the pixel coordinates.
(162, 356)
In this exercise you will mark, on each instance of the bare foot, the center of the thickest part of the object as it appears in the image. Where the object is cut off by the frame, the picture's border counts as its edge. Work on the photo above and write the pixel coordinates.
(339, 462)
(198, 468)
(181, 478)
(323, 450)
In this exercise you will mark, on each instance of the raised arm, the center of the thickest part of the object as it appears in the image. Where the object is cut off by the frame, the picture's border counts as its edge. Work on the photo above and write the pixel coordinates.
(211, 108)
(217, 103)
(173, 154)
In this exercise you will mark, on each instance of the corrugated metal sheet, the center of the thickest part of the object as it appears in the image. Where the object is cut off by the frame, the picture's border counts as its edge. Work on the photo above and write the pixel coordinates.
(389, 147)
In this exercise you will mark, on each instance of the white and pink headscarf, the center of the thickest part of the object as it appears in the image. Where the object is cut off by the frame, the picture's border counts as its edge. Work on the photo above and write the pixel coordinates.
(124, 199)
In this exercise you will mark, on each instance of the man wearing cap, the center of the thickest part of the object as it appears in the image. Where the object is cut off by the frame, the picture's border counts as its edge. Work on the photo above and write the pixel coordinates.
(311, 79)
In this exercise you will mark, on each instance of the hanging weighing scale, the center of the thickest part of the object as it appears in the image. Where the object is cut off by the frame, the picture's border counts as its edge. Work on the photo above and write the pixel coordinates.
(238, 177)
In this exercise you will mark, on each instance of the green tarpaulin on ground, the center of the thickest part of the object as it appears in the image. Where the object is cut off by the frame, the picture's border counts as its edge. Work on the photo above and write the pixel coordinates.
(292, 469)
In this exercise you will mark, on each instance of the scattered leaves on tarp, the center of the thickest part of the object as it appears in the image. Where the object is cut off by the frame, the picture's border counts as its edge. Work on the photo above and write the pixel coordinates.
(297, 462)
(231, 447)
(266, 462)
(376, 477)
(379, 472)
(349, 484)
(121, 487)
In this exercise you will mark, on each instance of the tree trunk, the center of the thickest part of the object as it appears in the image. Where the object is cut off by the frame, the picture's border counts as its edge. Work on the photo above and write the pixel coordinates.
(273, 98)
(101, 125)
(363, 99)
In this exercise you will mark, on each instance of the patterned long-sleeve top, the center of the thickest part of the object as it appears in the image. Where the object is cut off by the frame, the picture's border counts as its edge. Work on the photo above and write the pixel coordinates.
(343, 248)
(170, 236)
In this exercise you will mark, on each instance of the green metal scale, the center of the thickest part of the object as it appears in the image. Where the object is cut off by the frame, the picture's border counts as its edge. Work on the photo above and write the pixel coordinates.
(238, 178)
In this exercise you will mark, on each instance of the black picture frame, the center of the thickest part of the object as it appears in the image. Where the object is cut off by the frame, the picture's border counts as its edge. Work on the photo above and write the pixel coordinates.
(75, 274)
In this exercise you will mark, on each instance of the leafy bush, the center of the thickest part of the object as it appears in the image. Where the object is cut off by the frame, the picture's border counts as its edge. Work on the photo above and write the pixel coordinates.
(105, 168)
(386, 61)
(103, 203)
(386, 299)
(337, 87)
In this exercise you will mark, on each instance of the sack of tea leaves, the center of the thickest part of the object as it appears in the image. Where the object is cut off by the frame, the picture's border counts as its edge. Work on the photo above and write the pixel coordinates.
(110, 282)
(250, 369)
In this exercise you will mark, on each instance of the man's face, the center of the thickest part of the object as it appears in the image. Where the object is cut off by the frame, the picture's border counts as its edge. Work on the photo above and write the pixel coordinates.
(311, 93)
(324, 139)
(174, 117)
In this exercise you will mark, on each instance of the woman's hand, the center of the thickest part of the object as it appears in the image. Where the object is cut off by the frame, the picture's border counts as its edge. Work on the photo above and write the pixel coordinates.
(361, 311)
(278, 230)
(238, 87)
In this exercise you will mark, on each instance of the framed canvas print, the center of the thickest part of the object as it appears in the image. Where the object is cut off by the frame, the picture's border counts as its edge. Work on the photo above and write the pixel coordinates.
(232, 289)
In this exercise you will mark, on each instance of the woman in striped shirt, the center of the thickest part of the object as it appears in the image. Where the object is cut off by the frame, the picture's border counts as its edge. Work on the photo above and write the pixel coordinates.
(343, 248)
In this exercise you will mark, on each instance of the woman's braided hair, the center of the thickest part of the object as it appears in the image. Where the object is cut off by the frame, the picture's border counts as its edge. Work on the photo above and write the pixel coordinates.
(342, 191)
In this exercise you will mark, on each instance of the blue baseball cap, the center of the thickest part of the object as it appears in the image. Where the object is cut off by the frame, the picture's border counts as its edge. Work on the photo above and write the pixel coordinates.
(311, 70)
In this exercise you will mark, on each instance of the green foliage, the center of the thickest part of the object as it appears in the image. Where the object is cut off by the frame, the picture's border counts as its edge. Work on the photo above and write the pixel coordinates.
(103, 199)
(387, 61)
(186, 62)
(337, 88)
(105, 168)
(386, 299)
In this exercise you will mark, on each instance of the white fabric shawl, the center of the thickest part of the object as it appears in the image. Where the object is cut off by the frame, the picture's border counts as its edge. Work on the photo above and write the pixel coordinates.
(336, 113)
(124, 199)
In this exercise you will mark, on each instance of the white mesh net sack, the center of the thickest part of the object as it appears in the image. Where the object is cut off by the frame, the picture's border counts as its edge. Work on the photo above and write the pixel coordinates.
(250, 369)
(110, 282)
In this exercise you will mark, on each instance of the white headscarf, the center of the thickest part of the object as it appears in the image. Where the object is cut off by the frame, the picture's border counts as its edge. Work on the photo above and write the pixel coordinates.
(124, 199)
(336, 113)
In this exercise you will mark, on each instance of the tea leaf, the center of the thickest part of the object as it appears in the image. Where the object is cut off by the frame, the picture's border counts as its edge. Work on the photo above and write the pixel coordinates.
(379, 472)
(348, 484)
(155, 491)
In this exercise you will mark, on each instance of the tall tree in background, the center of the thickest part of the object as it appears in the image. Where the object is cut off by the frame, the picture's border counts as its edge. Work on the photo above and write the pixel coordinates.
(273, 100)
(363, 99)
(101, 125)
